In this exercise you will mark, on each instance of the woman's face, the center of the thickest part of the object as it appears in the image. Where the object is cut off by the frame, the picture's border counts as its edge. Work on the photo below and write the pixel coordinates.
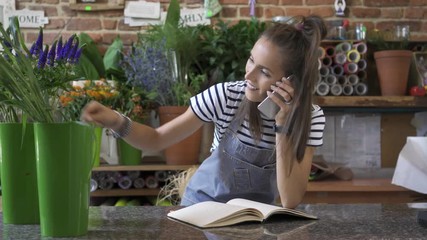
(263, 69)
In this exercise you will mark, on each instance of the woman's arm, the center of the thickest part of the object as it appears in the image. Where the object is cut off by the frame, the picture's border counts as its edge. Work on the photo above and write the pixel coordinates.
(292, 183)
(142, 136)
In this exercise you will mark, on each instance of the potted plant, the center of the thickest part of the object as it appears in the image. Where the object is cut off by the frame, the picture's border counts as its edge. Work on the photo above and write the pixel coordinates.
(393, 61)
(33, 80)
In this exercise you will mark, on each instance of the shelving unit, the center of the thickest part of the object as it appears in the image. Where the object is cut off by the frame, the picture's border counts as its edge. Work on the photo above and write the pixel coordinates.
(357, 190)
(97, 5)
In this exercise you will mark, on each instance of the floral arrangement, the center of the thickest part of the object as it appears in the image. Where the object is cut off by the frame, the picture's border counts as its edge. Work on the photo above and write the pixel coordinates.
(82, 92)
(32, 80)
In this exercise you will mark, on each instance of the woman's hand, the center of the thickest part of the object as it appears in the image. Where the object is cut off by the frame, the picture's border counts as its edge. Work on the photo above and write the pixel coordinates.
(285, 89)
(95, 112)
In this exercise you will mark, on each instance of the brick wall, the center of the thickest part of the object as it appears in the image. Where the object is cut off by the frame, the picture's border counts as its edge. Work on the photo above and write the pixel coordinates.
(103, 26)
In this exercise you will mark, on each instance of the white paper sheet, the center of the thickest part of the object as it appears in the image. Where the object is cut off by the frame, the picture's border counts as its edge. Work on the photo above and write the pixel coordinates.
(411, 167)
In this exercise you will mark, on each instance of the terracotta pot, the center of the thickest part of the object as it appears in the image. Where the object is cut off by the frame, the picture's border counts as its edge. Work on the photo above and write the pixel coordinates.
(187, 151)
(393, 71)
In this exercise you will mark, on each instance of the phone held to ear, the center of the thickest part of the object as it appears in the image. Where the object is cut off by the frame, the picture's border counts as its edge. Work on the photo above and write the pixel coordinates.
(268, 107)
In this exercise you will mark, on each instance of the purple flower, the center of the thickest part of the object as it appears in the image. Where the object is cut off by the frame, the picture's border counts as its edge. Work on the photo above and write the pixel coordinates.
(67, 47)
(77, 55)
(59, 49)
(72, 52)
(43, 58)
(51, 55)
(37, 46)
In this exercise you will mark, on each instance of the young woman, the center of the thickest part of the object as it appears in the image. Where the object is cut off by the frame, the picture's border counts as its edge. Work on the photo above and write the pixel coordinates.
(253, 156)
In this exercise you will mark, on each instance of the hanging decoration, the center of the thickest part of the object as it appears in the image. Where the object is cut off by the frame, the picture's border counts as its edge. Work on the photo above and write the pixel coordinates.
(252, 8)
(340, 8)
(212, 7)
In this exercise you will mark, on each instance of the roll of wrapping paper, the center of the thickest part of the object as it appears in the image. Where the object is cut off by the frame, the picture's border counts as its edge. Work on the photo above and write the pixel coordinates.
(151, 182)
(93, 185)
(340, 58)
(352, 79)
(105, 184)
(121, 202)
(336, 90)
(125, 182)
(337, 70)
(342, 79)
(133, 174)
(331, 79)
(322, 89)
(343, 47)
(324, 71)
(361, 75)
(362, 64)
(321, 52)
(353, 56)
(350, 67)
(360, 89)
(139, 183)
(361, 47)
(347, 90)
(329, 51)
(161, 176)
(327, 61)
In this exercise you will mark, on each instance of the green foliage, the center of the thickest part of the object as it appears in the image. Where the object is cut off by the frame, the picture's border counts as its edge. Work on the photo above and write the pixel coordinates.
(226, 49)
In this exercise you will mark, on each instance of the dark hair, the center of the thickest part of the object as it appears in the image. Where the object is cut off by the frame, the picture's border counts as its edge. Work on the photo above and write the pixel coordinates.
(298, 40)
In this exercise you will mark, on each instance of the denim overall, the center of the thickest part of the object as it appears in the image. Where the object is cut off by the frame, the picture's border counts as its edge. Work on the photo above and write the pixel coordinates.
(234, 170)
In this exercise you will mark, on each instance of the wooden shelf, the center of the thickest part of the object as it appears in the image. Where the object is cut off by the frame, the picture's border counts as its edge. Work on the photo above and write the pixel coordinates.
(143, 167)
(372, 101)
(359, 191)
(125, 192)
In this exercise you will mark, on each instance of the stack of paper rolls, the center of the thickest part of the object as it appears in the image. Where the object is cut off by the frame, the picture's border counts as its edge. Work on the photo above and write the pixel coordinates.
(342, 69)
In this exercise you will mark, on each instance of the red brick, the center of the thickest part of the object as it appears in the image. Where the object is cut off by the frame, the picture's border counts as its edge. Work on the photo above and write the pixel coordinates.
(366, 12)
(415, 13)
(55, 24)
(294, 11)
(386, 3)
(231, 2)
(291, 2)
(47, 1)
(273, 12)
(84, 24)
(318, 2)
(67, 11)
(244, 12)
(270, 2)
(323, 11)
(390, 13)
(109, 24)
(228, 12)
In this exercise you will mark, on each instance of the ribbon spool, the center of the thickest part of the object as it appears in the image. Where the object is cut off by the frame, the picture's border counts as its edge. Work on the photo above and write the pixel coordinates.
(337, 70)
(353, 79)
(350, 67)
(343, 47)
(340, 58)
(347, 90)
(336, 89)
(361, 64)
(360, 89)
(342, 80)
(322, 89)
(321, 52)
(353, 56)
(331, 79)
(361, 47)
(330, 51)
(327, 61)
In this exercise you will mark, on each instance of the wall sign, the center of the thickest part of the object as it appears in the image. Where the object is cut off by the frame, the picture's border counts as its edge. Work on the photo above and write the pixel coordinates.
(194, 17)
(6, 8)
(30, 19)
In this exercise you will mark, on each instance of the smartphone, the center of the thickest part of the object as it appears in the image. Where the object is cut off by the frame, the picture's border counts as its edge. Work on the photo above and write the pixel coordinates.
(268, 107)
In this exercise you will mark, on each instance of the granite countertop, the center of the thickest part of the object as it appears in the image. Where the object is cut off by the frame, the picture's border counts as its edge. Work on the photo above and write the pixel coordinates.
(336, 221)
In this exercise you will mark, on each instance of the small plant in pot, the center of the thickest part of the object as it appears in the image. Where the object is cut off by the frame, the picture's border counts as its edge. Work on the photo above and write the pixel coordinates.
(393, 61)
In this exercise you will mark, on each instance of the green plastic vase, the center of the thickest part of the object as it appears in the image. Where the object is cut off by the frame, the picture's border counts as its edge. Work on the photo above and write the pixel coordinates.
(128, 155)
(18, 174)
(65, 155)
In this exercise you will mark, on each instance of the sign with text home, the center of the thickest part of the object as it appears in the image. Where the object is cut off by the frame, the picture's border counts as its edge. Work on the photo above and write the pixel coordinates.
(30, 19)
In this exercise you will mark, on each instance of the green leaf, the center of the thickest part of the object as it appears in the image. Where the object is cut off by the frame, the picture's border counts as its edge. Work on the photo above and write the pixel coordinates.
(113, 55)
(87, 69)
(92, 53)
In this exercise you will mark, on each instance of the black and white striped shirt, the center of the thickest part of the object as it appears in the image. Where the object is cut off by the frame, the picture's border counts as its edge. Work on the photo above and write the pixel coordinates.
(219, 104)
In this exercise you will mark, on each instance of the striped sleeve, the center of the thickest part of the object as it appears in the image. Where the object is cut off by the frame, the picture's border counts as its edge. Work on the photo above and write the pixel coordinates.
(317, 127)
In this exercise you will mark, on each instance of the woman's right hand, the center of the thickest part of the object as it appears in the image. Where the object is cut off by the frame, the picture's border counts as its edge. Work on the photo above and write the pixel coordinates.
(96, 113)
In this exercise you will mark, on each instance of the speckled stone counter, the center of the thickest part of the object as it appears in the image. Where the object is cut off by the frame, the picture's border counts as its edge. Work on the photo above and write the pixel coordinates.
(357, 221)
